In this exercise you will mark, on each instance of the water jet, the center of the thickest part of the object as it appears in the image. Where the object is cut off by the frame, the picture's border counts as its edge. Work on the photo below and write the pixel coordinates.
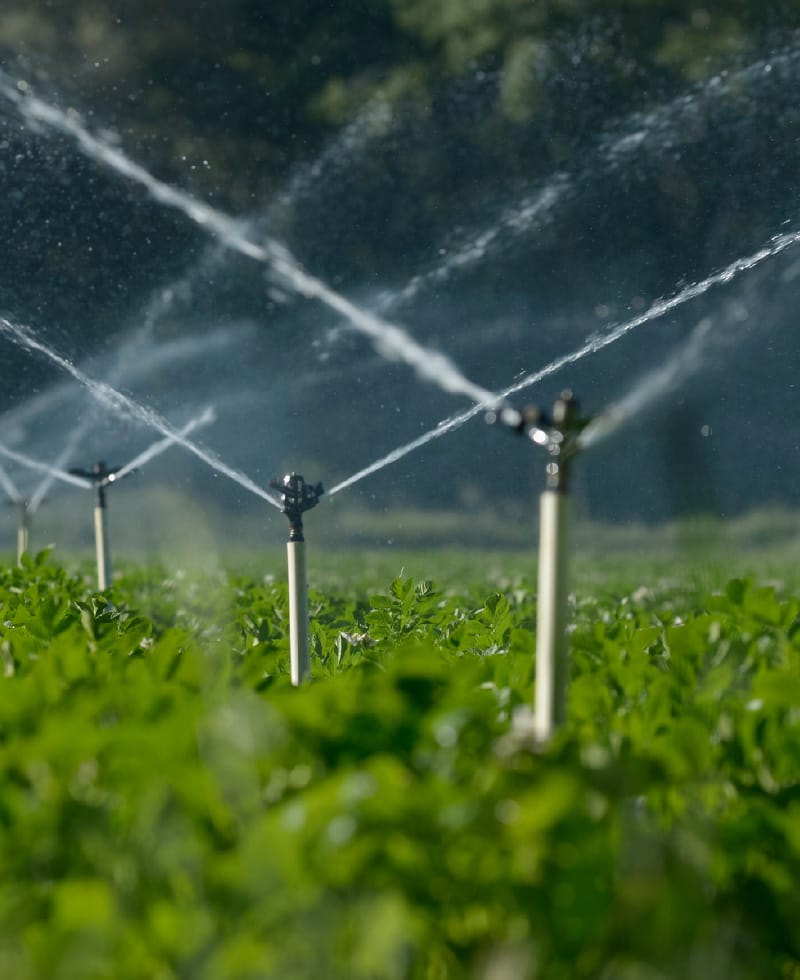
(126, 407)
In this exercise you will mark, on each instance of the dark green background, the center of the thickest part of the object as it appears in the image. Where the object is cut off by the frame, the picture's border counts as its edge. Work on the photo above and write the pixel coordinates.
(460, 110)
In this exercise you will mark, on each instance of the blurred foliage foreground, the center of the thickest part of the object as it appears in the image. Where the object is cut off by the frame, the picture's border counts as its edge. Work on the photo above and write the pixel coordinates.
(171, 807)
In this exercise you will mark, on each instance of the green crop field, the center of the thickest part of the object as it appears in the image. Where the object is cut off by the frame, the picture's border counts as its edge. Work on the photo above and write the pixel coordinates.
(172, 808)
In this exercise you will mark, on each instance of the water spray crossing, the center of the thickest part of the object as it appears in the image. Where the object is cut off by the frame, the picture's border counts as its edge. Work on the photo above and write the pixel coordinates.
(99, 477)
(594, 345)
(559, 435)
(127, 407)
(162, 356)
(157, 448)
(132, 361)
(390, 340)
(24, 508)
(297, 497)
(34, 464)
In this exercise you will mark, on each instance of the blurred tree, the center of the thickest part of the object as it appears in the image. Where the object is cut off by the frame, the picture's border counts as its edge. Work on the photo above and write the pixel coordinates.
(483, 103)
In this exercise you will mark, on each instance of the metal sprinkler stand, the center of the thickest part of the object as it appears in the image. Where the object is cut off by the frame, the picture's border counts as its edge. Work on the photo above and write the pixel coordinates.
(100, 476)
(23, 529)
(558, 434)
(297, 497)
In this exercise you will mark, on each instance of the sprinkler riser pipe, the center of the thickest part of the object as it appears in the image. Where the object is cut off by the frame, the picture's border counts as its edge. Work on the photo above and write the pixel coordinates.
(101, 545)
(300, 658)
(550, 707)
(23, 538)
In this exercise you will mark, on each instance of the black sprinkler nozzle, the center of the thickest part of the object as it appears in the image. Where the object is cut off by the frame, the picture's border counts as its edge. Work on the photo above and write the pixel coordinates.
(557, 433)
(297, 497)
(518, 420)
(100, 476)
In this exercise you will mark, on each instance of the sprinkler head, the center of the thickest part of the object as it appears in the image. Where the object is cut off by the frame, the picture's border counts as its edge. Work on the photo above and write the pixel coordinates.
(100, 476)
(518, 420)
(557, 433)
(297, 497)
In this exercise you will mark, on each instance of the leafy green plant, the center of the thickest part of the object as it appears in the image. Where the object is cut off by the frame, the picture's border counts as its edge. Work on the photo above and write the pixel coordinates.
(172, 807)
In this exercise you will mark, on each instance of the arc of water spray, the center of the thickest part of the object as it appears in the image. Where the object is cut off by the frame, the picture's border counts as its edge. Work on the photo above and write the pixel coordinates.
(34, 464)
(127, 407)
(173, 351)
(131, 359)
(374, 117)
(389, 339)
(9, 486)
(513, 220)
(633, 135)
(779, 243)
(51, 475)
(131, 364)
(157, 448)
(654, 385)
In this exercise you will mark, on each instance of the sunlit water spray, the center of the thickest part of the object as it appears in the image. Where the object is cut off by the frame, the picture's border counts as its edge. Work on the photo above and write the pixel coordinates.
(9, 487)
(34, 464)
(125, 406)
(659, 130)
(57, 473)
(129, 364)
(655, 385)
(778, 244)
(390, 340)
(179, 292)
(128, 367)
(372, 121)
(530, 213)
(662, 127)
(157, 448)
(45, 484)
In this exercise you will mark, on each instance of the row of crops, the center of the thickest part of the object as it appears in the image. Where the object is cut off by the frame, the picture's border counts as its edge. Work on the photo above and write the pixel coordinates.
(172, 808)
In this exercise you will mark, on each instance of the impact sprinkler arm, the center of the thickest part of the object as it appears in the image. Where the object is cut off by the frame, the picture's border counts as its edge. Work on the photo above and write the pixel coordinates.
(297, 497)
(559, 434)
